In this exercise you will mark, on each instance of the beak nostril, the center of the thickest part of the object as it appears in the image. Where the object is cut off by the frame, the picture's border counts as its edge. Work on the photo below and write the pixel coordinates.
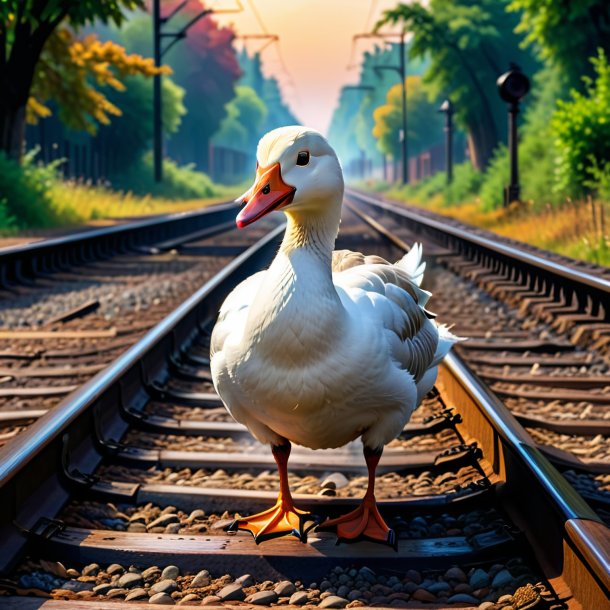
(266, 189)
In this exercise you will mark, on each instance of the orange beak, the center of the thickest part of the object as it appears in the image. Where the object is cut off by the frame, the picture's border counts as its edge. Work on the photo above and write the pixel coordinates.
(269, 192)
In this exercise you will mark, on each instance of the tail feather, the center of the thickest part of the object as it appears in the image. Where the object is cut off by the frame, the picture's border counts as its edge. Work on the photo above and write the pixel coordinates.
(446, 340)
(412, 264)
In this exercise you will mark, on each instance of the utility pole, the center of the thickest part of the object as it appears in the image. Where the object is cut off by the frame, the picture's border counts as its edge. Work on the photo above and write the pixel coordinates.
(401, 69)
(447, 109)
(157, 119)
(159, 52)
(403, 79)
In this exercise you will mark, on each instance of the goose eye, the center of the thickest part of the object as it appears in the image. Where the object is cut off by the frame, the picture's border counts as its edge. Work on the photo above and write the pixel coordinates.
(303, 157)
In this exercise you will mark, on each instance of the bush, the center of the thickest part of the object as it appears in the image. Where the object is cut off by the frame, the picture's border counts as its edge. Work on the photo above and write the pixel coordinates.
(582, 130)
(465, 185)
(495, 179)
(25, 193)
(179, 182)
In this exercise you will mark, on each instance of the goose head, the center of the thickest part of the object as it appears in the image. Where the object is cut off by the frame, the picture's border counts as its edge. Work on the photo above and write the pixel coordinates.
(297, 172)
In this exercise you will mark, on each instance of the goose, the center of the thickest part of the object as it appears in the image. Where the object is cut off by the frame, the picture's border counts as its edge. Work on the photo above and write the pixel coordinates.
(322, 347)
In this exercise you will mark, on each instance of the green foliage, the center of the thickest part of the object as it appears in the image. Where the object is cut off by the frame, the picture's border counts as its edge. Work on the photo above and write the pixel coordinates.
(242, 128)
(268, 90)
(496, 177)
(582, 130)
(424, 126)
(469, 44)
(26, 201)
(179, 182)
(351, 127)
(566, 33)
(204, 64)
(465, 185)
(131, 133)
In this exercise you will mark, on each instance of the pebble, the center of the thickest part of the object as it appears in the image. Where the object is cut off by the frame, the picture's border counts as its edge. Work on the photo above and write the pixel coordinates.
(211, 600)
(130, 580)
(91, 570)
(115, 568)
(232, 592)
(161, 599)
(333, 601)
(298, 599)
(196, 514)
(285, 588)
(262, 598)
(505, 599)
(343, 591)
(138, 593)
(437, 587)
(117, 592)
(336, 480)
(54, 567)
(138, 528)
(456, 574)
(188, 600)
(202, 579)
(422, 595)
(103, 588)
(478, 579)
(245, 581)
(170, 573)
(151, 573)
(414, 576)
(486, 606)
(463, 597)
(501, 579)
(165, 586)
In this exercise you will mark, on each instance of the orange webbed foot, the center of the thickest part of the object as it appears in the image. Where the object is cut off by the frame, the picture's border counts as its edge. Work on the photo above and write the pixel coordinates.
(363, 523)
(279, 520)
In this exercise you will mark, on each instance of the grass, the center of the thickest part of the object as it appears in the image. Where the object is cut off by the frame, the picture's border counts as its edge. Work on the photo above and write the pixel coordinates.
(80, 203)
(34, 196)
(575, 228)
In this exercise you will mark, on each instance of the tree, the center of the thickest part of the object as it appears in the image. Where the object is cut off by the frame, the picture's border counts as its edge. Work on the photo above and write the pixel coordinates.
(242, 128)
(581, 127)
(469, 45)
(566, 32)
(424, 127)
(130, 133)
(267, 89)
(204, 64)
(25, 27)
(72, 73)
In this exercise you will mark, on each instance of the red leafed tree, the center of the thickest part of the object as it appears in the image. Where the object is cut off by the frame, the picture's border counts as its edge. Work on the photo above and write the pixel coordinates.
(205, 64)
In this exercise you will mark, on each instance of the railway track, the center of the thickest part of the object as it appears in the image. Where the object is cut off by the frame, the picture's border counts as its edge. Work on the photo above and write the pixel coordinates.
(120, 493)
(72, 305)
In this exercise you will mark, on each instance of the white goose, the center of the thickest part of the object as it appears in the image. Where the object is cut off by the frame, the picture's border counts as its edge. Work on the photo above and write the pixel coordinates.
(322, 347)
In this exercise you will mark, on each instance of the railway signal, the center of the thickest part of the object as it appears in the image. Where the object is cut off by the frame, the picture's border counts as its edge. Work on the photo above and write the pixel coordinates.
(513, 86)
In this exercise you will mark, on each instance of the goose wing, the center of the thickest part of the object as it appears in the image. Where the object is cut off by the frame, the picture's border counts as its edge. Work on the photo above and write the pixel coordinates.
(392, 294)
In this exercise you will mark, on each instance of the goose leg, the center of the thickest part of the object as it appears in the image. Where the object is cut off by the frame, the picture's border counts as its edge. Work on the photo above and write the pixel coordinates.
(366, 521)
(282, 519)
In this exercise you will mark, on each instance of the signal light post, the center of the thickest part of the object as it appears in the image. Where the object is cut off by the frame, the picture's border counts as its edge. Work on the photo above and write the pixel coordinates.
(447, 109)
(513, 87)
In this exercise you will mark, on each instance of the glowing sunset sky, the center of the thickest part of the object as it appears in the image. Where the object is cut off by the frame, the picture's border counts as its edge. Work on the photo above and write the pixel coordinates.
(315, 46)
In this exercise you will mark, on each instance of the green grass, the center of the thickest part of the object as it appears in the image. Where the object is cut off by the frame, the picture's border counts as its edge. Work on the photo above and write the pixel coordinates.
(34, 196)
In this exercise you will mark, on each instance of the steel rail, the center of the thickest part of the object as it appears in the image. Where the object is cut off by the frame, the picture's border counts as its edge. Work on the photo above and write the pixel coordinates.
(23, 263)
(577, 275)
(564, 510)
(74, 425)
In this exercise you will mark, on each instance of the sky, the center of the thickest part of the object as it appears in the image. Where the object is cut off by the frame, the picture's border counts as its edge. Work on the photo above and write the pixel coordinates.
(314, 50)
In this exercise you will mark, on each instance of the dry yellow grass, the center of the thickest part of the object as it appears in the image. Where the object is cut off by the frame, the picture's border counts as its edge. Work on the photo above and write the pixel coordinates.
(80, 203)
(577, 229)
